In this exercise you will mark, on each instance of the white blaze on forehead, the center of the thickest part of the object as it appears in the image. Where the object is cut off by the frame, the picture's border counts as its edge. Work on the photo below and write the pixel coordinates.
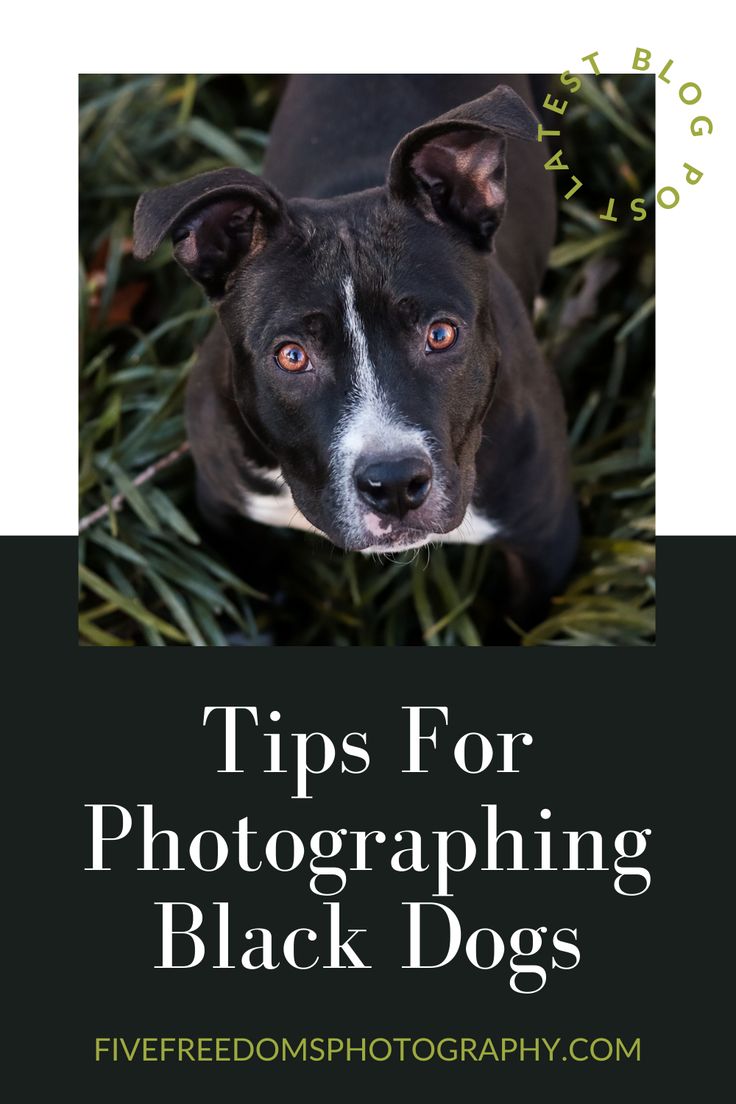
(368, 422)
(370, 425)
(365, 373)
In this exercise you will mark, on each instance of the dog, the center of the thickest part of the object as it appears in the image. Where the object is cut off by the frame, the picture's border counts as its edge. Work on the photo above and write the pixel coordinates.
(373, 375)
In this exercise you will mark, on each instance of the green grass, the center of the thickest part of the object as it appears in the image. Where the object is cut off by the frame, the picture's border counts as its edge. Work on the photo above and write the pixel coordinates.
(147, 576)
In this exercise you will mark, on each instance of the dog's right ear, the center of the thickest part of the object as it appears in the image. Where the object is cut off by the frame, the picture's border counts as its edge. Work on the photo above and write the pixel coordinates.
(215, 220)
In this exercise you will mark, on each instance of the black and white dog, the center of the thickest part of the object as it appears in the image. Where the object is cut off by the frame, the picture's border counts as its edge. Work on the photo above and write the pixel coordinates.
(373, 374)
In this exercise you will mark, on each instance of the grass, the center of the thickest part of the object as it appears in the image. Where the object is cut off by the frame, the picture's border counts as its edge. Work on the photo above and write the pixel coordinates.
(146, 574)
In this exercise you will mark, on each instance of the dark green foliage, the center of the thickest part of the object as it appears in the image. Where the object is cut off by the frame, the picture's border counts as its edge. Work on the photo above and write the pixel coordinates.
(146, 575)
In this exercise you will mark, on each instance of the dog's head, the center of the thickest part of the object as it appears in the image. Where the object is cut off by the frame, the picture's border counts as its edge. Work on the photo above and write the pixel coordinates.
(361, 327)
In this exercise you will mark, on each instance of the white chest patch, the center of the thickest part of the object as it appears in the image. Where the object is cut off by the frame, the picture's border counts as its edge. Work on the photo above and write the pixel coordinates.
(277, 509)
(281, 511)
(473, 529)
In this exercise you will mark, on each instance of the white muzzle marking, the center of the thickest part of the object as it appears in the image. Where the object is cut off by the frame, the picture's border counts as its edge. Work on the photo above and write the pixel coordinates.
(370, 424)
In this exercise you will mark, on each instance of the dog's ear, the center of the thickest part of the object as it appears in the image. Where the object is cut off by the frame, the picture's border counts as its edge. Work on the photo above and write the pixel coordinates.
(214, 219)
(454, 168)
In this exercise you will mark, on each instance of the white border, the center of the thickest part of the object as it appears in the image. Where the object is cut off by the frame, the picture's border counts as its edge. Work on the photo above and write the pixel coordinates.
(48, 45)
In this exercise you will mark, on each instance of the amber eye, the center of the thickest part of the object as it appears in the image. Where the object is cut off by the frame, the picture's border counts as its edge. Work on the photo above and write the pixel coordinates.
(441, 335)
(292, 357)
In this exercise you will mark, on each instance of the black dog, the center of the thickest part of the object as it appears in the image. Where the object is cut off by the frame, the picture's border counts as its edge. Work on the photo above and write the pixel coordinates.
(373, 375)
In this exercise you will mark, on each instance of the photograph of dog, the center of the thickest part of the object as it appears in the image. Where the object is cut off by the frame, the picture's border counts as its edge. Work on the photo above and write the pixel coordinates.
(371, 374)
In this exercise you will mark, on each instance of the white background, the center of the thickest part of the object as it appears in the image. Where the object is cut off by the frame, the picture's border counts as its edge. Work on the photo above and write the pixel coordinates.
(46, 46)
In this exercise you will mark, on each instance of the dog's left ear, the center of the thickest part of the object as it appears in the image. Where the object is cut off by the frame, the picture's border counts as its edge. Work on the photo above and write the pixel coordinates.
(454, 168)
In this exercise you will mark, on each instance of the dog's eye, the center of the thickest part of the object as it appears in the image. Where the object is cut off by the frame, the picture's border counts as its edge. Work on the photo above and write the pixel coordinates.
(441, 335)
(292, 357)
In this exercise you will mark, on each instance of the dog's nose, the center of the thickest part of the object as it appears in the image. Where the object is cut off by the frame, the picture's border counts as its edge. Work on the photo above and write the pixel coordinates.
(395, 486)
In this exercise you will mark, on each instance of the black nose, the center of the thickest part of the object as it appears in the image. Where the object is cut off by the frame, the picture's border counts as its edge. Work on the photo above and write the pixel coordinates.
(395, 486)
